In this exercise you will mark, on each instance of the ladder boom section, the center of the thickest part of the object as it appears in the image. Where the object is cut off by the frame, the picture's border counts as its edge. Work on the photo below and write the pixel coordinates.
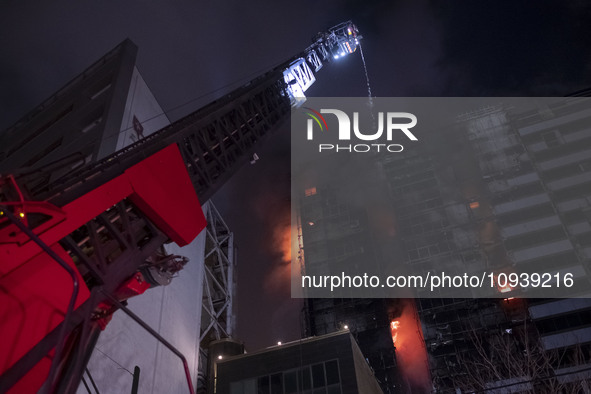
(337, 42)
(214, 142)
(216, 139)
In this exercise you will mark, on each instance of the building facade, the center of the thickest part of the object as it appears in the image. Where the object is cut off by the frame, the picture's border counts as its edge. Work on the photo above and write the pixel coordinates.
(515, 196)
(502, 188)
(335, 232)
(329, 364)
(105, 108)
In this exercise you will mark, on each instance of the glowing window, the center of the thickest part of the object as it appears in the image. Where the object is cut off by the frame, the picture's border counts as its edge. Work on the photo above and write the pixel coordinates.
(310, 191)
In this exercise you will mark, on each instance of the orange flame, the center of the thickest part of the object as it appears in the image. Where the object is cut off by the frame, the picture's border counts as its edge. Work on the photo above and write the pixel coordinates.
(503, 289)
(284, 242)
(411, 355)
(279, 276)
(394, 326)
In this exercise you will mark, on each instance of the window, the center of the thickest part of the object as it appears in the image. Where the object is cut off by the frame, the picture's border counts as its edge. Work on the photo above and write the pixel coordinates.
(277, 383)
(40, 155)
(585, 166)
(263, 385)
(290, 381)
(551, 139)
(248, 386)
(304, 378)
(92, 124)
(101, 91)
(332, 372)
(318, 375)
(40, 130)
(322, 378)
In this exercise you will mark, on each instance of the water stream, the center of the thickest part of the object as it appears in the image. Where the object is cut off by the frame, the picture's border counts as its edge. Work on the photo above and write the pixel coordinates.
(366, 77)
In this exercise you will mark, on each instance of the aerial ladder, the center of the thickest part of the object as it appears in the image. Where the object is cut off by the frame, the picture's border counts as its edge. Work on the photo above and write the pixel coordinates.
(75, 248)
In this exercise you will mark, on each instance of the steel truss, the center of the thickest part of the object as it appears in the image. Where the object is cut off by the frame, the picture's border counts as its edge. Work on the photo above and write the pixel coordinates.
(217, 318)
(214, 142)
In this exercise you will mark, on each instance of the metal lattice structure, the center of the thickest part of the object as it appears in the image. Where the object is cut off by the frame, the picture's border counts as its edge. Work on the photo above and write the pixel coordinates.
(217, 318)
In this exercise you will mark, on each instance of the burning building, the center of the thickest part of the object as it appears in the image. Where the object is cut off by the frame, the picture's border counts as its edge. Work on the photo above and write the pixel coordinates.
(525, 182)
(335, 232)
(514, 195)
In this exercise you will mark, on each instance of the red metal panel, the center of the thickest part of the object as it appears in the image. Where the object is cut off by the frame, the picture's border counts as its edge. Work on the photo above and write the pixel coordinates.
(34, 298)
(77, 213)
(35, 290)
(11, 234)
(164, 192)
(159, 185)
(34, 379)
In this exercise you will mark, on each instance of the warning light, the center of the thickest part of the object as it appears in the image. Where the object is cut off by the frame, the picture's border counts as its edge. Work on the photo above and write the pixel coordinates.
(22, 214)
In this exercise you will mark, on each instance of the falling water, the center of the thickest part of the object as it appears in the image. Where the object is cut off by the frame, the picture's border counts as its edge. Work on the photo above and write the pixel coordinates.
(370, 102)
(366, 77)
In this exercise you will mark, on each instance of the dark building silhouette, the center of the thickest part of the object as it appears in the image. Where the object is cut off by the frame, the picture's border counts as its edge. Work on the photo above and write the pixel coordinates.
(330, 364)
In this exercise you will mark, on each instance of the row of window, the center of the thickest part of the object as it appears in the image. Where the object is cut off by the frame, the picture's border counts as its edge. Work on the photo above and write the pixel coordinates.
(314, 379)
(564, 322)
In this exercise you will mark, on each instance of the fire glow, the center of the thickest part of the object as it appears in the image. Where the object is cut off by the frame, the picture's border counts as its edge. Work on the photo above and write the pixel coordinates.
(394, 326)
(411, 354)
(278, 278)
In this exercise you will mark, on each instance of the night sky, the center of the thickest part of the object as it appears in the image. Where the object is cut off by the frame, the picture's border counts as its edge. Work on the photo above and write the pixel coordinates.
(191, 52)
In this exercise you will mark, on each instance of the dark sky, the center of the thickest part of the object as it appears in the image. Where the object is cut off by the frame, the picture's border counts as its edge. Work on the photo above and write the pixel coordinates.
(191, 51)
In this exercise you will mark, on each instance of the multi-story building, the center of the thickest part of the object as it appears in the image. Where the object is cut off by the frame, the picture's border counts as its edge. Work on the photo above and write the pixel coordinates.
(512, 200)
(331, 364)
(106, 107)
(503, 190)
(335, 232)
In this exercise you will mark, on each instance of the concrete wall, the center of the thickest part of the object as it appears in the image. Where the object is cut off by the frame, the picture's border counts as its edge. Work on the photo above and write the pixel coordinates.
(142, 105)
(366, 380)
(81, 121)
